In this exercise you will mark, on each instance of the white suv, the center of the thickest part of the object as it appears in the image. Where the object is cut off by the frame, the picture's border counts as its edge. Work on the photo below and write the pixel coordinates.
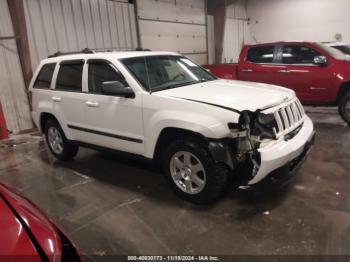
(204, 131)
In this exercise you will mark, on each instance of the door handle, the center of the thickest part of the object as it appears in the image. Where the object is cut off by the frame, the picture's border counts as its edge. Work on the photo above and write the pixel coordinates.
(56, 99)
(247, 70)
(283, 71)
(92, 104)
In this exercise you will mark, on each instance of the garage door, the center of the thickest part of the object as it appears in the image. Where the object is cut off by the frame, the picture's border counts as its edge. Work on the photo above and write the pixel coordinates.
(174, 25)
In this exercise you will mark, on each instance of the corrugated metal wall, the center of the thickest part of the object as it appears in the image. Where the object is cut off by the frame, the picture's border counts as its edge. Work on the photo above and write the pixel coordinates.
(12, 89)
(236, 31)
(174, 25)
(71, 25)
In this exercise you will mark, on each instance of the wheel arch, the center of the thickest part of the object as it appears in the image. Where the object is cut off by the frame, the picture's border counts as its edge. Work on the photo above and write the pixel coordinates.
(169, 134)
(344, 88)
(44, 118)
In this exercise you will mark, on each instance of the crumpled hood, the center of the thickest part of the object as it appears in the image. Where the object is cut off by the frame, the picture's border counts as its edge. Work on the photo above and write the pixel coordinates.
(233, 94)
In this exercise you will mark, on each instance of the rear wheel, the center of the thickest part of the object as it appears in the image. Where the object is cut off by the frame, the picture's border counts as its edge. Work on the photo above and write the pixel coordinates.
(192, 173)
(57, 142)
(344, 107)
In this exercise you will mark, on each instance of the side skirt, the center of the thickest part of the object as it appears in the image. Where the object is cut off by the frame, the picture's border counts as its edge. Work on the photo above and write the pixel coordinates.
(112, 151)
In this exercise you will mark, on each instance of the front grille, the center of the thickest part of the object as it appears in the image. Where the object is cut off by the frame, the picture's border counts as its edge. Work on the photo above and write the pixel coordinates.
(289, 117)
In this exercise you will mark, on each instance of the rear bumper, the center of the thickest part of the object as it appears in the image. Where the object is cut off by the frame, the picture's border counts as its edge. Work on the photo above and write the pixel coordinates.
(283, 159)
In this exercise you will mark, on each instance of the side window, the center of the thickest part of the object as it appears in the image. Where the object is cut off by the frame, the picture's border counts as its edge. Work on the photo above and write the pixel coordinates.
(261, 54)
(100, 72)
(298, 54)
(45, 76)
(137, 67)
(69, 76)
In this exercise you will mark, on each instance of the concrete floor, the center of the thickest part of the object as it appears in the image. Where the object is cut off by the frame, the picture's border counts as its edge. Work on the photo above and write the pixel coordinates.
(109, 204)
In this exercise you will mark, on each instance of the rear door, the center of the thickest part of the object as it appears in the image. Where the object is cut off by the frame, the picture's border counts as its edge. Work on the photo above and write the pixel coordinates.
(259, 65)
(113, 122)
(298, 72)
(68, 98)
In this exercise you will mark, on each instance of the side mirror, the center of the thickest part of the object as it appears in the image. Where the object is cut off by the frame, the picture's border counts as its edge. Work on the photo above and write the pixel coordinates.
(117, 88)
(320, 60)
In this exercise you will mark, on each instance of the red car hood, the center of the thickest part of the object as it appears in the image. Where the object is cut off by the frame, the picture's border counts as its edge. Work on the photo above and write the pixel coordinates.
(25, 230)
(13, 238)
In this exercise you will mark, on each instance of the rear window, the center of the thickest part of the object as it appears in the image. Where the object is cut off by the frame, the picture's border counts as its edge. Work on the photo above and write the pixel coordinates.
(261, 54)
(45, 76)
(69, 76)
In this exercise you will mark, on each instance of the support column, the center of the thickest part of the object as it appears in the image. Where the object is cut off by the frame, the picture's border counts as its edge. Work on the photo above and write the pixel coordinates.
(16, 8)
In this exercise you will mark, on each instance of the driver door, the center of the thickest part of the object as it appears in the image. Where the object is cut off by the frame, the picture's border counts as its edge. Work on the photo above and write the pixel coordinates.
(310, 82)
(112, 122)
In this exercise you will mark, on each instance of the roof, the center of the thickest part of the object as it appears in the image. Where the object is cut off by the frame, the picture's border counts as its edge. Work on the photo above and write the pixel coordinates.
(117, 55)
(334, 43)
(282, 42)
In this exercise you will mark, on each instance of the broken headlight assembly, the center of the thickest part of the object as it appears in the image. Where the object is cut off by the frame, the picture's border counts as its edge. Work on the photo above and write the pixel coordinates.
(253, 129)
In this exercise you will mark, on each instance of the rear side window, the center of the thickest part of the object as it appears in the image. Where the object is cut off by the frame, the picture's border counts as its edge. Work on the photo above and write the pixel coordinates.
(298, 54)
(45, 76)
(69, 76)
(261, 54)
(100, 72)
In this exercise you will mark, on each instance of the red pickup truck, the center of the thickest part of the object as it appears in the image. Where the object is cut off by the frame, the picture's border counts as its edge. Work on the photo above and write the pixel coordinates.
(319, 74)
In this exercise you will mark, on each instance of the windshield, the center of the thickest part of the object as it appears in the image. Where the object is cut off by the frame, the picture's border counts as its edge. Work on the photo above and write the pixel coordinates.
(156, 73)
(333, 52)
(344, 48)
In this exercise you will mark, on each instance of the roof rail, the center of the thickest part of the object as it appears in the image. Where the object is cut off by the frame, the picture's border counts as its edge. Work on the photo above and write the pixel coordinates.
(92, 51)
(84, 51)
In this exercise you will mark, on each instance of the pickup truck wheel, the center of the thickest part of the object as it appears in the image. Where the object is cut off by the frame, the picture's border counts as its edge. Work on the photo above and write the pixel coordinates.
(344, 108)
(60, 147)
(192, 173)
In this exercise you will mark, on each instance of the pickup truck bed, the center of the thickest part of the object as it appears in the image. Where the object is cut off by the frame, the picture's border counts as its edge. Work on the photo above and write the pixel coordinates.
(225, 71)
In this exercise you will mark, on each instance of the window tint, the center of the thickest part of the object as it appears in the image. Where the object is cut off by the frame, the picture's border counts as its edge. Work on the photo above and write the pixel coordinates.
(45, 75)
(298, 54)
(69, 77)
(100, 72)
(261, 54)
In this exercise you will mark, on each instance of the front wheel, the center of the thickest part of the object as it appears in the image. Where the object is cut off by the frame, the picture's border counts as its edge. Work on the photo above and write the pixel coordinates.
(344, 108)
(192, 173)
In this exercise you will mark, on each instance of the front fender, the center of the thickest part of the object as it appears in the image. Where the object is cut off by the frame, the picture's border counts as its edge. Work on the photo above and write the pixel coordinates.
(205, 125)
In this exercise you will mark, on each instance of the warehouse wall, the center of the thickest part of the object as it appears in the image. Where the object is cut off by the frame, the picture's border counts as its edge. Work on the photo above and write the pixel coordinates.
(313, 20)
(12, 89)
(76, 24)
(174, 25)
(236, 32)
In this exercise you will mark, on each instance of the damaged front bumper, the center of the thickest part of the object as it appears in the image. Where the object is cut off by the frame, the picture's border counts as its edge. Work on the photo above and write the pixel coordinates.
(276, 162)
(283, 159)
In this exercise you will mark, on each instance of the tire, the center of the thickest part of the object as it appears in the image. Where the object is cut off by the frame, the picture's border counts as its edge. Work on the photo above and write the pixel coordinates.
(60, 147)
(213, 178)
(343, 104)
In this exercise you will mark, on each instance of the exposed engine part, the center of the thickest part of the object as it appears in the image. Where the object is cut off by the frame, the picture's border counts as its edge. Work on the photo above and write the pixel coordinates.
(255, 127)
